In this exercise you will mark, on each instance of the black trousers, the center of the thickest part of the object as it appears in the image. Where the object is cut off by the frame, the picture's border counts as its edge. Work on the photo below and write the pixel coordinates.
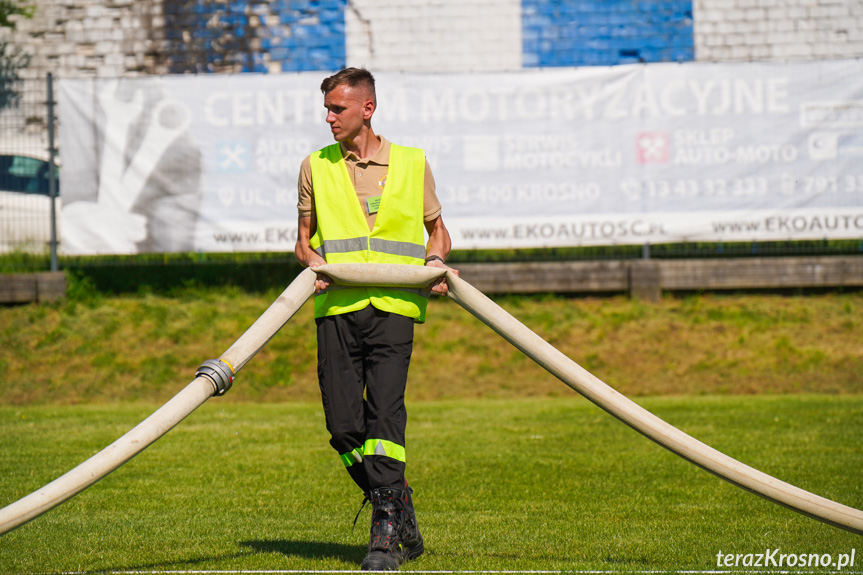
(363, 360)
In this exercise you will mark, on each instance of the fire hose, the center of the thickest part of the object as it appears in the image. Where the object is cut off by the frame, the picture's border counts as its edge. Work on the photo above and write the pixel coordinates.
(215, 377)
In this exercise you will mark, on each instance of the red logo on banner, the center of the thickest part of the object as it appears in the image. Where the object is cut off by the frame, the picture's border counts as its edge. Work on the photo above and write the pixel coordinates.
(652, 147)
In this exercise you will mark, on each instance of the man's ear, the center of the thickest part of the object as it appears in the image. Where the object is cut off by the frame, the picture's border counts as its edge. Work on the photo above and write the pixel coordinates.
(368, 109)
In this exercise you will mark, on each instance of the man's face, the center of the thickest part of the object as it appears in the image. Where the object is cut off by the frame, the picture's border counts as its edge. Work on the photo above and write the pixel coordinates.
(347, 110)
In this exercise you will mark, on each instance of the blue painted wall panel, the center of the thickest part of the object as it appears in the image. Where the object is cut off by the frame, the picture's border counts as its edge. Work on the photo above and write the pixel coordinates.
(605, 32)
(309, 36)
(303, 35)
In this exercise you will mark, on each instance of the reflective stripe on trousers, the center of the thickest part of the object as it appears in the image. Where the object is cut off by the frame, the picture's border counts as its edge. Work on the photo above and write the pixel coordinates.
(374, 447)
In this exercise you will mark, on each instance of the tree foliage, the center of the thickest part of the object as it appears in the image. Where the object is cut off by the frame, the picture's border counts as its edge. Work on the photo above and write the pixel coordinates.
(12, 58)
(9, 8)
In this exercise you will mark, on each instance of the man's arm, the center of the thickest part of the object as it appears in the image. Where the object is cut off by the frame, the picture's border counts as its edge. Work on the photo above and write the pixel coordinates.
(304, 253)
(438, 246)
(306, 226)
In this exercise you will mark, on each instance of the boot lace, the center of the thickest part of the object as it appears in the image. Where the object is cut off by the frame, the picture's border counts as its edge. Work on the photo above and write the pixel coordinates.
(363, 506)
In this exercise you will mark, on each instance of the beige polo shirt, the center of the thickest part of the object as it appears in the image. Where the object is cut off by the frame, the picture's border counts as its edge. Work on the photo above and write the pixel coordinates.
(369, 176)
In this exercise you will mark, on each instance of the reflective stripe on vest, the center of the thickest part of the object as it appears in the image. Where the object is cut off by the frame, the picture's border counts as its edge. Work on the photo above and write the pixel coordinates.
(343, 235)
(375, 244)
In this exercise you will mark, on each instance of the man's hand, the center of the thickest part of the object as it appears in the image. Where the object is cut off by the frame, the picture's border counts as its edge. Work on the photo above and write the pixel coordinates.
(306, 255)
(440, 287)
(437, 249)
(322, 282)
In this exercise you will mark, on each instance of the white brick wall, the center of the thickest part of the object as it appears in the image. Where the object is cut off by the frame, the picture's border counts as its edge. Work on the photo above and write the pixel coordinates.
(75, 38)
(434, 35)
(741, 30)
(84, 38)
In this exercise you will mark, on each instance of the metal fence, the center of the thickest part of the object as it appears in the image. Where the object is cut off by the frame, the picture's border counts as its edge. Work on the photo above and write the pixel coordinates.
(29, 186)
(29, 222)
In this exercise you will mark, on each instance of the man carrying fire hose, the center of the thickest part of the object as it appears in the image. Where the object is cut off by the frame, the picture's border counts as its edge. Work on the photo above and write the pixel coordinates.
(366, 200)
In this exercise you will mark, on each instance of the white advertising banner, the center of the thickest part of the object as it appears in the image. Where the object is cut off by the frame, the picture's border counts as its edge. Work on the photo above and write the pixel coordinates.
(538, 158)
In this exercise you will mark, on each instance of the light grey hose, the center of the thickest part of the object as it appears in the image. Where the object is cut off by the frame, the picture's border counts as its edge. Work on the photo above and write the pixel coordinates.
(213, 378)
(626, 410)
(212, 381)
(645, 422)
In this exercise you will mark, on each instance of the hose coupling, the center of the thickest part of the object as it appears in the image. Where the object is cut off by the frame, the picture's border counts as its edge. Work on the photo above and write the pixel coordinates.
(219, 372)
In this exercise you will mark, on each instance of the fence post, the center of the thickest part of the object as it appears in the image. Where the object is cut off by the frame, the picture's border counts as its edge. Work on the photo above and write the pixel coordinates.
(52, 177)
(645, 280)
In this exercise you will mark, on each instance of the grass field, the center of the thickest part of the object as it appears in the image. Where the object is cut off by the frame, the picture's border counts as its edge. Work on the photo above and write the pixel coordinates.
(512, 470)
(500, 485)
(143, 347)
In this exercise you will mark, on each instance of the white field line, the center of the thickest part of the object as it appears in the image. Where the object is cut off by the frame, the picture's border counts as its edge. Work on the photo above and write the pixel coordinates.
(467, 572)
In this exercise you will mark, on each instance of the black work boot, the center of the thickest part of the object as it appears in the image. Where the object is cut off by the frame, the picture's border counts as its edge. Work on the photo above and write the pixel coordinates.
(412, 540)
(386, 546)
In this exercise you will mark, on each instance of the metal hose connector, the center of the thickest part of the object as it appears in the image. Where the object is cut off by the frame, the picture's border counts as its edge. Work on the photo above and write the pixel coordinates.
(219, 372)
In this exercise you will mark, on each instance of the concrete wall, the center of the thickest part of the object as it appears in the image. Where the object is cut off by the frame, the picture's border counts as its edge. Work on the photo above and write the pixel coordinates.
(739, 30)
(32, 287)
(109, 38)
(75, 38)
(434, 35)
(642, 279)
(78, 38)
(112, 38)
(647, 279)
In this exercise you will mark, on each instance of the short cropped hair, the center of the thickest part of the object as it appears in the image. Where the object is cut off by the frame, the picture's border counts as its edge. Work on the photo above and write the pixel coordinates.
(353, 77)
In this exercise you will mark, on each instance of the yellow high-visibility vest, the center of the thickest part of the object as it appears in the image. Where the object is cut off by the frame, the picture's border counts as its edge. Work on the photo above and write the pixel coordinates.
(343, 235)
